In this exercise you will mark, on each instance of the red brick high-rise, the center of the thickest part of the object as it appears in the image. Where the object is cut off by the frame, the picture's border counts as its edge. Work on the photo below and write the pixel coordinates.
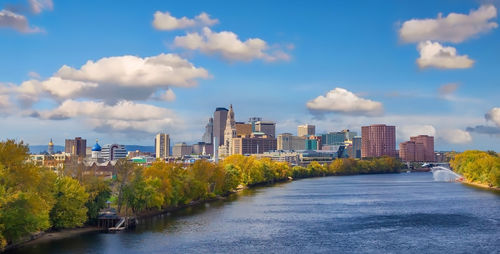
(428, 150)
(378, 140)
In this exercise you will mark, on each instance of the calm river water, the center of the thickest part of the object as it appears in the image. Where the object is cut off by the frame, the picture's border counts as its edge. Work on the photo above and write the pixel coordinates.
(391, 213)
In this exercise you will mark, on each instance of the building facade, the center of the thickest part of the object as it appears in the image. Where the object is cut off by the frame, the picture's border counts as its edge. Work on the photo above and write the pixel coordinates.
(378, 140)
(428, 146)
(333, 138)
(181, 149)
(417, 149)
(306, 130)
(269, 128)
(243, 129)
(253, 144)
(162, 145)
(253, 120)
(112, 152)
(220, 118)
(229, 133)
(76, 147)
(208, 136)
(286, 141)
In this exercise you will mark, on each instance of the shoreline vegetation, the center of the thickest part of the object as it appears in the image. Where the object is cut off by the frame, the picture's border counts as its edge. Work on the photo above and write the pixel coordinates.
(35, 200)
(479, 168)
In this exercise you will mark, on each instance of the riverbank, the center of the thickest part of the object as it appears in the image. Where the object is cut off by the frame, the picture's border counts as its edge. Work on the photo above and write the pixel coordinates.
(480, 185)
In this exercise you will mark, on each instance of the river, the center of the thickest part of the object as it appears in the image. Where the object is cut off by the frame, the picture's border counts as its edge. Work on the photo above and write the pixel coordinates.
(390, 213)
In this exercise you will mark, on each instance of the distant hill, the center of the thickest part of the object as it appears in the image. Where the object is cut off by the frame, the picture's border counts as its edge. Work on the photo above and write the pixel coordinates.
(36, 149)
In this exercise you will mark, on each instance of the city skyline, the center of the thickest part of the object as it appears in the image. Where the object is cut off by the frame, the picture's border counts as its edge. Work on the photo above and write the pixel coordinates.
(71, 76)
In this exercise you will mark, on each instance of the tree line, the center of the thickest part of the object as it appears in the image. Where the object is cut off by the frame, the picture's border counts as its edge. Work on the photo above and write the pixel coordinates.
(35, 199)
(478, 166)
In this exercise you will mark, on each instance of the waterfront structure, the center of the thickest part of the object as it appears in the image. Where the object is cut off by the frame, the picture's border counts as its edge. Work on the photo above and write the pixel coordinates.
(76, 147)
(112, 152)
(229, 133)
(253, 120)
(417, 149)
(256, 143)
(378, 140)
(96, 151)
(428, 146)
(209, 132)
(269, 128)
(162, 145)
(286, 141)
(50, 149)
(281, 156)
(181, 149)
(306, 130)
(243, 129)
(220, 118)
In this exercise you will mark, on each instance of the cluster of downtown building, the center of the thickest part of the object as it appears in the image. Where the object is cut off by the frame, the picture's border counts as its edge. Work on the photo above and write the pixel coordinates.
(224, 136)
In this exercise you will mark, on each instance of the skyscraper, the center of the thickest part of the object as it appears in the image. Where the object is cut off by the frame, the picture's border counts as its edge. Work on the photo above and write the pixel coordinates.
(229, 133)
(76, 147)
(419, 148)
(306, 130)
(220, 117)
(286, 141)
(209, 132)
(162, 145)
(269, 128)
(378, 140)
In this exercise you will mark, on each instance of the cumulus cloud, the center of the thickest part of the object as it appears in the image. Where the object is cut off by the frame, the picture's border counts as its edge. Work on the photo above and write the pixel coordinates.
(433, 54)
(9, 19)
(125, 116)
(455, 136)
(494, 115)
(227, 45)
(340, 100)
(155, 71)
(169, 95)
(165, 21)
(37, 6)
(454, 28)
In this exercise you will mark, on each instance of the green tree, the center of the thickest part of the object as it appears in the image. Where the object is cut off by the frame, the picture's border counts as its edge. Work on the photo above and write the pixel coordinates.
(69, 210)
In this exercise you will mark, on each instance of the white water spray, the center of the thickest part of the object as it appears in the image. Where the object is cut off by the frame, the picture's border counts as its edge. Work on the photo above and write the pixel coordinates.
(442, 174)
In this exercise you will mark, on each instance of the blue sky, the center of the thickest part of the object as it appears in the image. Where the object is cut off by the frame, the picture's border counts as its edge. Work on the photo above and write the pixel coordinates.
(311, 48)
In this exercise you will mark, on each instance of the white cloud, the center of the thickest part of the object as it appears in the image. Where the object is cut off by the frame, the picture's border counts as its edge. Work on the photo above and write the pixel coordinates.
(156, 71)
(494, 115)
(407, 131)
(165, 21)
(62, 88)
(227, 45)
(342, 101)
(455, 136)
(17, 22)
(169, 95)
(448, 89)
(433, 54)
(125, 116)
(34, 75)
(37, 6)
(453, 28)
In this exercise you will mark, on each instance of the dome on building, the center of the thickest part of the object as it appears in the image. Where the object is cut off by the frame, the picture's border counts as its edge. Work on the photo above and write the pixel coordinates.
(96, 147)
(50, 143)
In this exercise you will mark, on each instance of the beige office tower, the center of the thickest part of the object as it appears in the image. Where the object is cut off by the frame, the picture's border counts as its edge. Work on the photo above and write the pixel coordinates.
(162, 145)
(306, 130)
